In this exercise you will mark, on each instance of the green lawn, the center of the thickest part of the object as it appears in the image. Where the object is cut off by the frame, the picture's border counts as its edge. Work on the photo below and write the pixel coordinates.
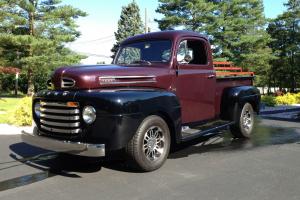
(6, 106)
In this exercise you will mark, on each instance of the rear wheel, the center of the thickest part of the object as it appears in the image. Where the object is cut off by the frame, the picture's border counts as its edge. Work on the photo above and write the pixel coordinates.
(244, 121)
(150, 146)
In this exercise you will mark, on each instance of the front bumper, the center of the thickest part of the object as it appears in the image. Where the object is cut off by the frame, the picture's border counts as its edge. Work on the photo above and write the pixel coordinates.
(63, 146)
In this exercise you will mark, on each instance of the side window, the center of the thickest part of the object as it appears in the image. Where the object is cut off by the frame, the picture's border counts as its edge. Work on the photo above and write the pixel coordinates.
(192, 52)
(129, 55)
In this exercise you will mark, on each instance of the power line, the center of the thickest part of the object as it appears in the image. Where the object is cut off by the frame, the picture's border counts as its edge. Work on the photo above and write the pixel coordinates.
(92, 54)
(102, 41)
(98, 39)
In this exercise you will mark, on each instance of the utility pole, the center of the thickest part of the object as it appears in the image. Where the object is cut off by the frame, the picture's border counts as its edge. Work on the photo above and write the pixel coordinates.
(146, 21)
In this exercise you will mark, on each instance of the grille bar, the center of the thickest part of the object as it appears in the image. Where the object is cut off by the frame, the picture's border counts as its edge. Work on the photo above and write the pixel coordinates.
(60, 111)
(58, 130)
(75, 124)
(67, 118)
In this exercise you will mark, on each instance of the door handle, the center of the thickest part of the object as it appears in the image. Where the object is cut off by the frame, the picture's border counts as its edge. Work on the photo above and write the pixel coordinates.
(211, 76)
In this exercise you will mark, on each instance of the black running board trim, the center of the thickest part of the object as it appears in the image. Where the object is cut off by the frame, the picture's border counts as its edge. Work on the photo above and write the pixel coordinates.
(206, 132)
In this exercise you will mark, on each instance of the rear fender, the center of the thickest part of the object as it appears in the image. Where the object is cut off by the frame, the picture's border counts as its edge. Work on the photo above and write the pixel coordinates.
(239, 96)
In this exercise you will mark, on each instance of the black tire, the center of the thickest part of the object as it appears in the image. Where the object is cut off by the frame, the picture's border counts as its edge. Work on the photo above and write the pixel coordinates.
(244, 121)
(150, 146)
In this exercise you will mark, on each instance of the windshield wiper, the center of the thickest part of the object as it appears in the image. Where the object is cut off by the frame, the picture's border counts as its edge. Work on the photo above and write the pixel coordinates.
(142, 62)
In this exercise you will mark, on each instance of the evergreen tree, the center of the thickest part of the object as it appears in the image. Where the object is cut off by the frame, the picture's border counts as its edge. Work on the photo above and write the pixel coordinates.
(235, 28)
(129, 24)
(33, 34)
(285, 31)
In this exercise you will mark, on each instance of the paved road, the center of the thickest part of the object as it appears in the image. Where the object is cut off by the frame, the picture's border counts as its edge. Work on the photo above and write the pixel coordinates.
(265, 167)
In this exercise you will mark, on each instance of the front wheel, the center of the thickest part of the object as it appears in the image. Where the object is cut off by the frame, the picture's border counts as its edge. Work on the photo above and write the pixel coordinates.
(150, 146)
(244, 121)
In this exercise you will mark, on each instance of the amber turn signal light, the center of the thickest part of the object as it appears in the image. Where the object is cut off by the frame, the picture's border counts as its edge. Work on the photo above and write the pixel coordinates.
(72, 104)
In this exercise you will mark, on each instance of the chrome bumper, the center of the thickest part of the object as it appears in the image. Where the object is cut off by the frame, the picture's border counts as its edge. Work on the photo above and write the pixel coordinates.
(77, 148)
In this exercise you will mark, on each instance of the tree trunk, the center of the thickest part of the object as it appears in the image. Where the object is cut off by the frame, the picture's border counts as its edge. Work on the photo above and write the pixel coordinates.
(30, 89)
(292, 60)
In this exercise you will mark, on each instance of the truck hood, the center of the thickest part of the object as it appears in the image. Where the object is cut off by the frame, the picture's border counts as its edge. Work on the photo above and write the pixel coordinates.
(103, 76)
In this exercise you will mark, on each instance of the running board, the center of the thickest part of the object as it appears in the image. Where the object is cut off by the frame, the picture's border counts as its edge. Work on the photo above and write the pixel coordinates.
(188, 133)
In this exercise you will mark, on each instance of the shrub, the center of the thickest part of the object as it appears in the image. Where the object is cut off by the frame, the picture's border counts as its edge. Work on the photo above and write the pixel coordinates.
(298, 97)
(286, 99)
(268, 100)
(22, 114)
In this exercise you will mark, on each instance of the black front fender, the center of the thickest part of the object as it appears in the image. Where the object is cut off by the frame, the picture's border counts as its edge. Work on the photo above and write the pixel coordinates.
(120, 112)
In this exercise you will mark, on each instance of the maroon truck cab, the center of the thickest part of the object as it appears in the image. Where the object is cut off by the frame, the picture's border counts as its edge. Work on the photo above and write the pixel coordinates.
(162, 88)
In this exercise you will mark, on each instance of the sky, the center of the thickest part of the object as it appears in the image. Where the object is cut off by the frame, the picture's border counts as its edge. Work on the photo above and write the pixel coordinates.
(97, 29)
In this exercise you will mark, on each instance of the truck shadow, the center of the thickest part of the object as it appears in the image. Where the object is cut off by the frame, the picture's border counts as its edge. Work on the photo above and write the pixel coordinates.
(56, 163)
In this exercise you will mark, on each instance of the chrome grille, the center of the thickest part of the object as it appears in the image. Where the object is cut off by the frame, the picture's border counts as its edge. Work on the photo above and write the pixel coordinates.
(67, 83)
(59, 117)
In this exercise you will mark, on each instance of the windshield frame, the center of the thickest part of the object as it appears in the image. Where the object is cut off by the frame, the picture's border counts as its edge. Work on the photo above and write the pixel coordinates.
(141, 41)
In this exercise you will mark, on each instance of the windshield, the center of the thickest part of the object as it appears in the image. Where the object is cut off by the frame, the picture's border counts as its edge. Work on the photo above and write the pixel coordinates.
(144, 52)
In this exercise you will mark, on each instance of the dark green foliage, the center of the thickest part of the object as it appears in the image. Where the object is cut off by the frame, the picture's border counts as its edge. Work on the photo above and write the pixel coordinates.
(285, 31)
(23, 83)
(33, 34)
(7, 82)
(129, 24)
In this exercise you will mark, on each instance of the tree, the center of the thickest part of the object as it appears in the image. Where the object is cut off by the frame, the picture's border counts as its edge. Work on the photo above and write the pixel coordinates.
(236, 28)
(285, 31)
(129, 24)
(33, 34)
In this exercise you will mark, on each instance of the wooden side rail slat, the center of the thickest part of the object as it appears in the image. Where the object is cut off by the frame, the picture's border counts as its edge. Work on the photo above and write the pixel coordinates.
(229, 68)
(234, 73)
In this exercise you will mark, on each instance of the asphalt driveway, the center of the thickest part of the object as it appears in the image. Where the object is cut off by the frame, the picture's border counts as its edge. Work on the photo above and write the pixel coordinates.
(265, 167)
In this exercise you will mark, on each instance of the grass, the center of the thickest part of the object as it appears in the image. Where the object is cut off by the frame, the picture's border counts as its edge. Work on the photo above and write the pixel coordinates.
(10, 94)
(6, 106)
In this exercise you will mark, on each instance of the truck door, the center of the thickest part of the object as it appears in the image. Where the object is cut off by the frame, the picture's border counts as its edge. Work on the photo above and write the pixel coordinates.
(196, 80)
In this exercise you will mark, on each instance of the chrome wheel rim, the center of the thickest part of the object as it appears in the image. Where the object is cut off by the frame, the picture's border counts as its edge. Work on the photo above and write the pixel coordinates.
(154, 143)
(247, 120)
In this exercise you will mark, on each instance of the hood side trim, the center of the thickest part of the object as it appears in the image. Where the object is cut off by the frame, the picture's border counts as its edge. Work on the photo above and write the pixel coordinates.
(115, 80)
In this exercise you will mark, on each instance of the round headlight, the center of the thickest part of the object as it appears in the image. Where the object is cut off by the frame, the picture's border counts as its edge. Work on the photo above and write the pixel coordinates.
(37, 109)
(89, 114)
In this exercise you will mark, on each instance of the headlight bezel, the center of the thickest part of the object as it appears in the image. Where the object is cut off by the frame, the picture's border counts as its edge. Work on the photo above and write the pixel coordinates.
(89, 114)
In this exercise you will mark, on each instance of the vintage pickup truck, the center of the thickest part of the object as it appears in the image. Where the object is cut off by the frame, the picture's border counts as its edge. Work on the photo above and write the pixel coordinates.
(161, 89)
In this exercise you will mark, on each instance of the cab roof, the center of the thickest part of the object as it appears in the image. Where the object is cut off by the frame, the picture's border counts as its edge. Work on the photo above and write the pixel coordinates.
(163, 35)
